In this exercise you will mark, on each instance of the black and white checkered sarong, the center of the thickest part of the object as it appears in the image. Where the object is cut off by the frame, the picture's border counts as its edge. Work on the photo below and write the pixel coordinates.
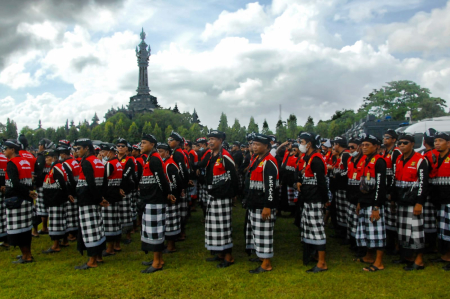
(218, 230)
(370, 234)
(3, 232)
(91, 223)
(111, 220)
(444, 223)
(134, 199)
(259, 233)
(352, 220)
(41, 210)
(57, 222)
(411, 234)
(429, 217)
(72, 215)
(312, 226)
(202, 193)
(292, 194)
(390, 218)
(125, 212)
(341, 207)
(154, 224)
(184, 207)
(173, 219)
(19, 220)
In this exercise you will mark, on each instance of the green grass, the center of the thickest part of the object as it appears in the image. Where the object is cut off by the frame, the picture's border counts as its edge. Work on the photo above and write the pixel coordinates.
(187, 274)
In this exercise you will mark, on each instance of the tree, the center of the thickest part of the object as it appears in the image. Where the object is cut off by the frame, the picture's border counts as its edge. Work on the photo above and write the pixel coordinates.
(147, 128)
(292, 127)
(252, 126)
(157, 132)
(175, 109)
(235, 131)
(265, 128)
(223, 123)
(205, 131)
(309, 125)
(26, 129)
(168, 131)
(66, 127)
(108, 134)
(11, 129)
(281, 131)
(119, 129)
(84, 131)
(432, 107)
(60, 134)
(97, 132)
(37, 136)
(194, 131)
(322, 129)
(73, 134)
(333, 130)
(183, 132)
(133, 133)
(95, 120)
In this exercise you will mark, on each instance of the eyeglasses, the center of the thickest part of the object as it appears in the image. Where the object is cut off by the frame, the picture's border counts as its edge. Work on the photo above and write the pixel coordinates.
(121, 145)
(170, 139)
(366, 144)
(387, 137)
(352, 147)
(404, 142)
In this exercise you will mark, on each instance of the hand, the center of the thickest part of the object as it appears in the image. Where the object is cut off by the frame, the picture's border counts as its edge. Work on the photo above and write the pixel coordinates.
(122, 193)
(33, 194)
(298, 186)
(191, 183)
(171, 198)
(388, 197)
(72, 200)
(104, 203)
(329, 167)
(265, 214)
(198, 172)
(375, 216)
(2, 189)
(358, 208)
(417, 209)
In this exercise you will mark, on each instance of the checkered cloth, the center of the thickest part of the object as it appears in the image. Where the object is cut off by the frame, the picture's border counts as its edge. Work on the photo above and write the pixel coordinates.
(173, 219)
(240, 181)
(57, 222)
(259, 233)
(72, 215)
(125, 213)
(370, 234)
(111, 220)
(91, 223)
(411, 234)
(218, 230)
(19, 220)
(429, 217)
(341, 207)
(390, 218)
(2, 217)
(352, 220)
(202, 193)
(292, 194)
(184, 207)
(444, 223)
(154, 224)
(312, 227)
(133, 205)
(41, 210)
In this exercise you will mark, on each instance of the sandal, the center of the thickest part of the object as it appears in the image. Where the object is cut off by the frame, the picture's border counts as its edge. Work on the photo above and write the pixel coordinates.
(126, 241)
(50, 250)
(41, 232)
(225, 264)
(105, 253)
(372, 268)
(168, 251)
(361, 260)
(21, 261)
(316, 269)
(83, 267)
(151, 270)
(258, 270)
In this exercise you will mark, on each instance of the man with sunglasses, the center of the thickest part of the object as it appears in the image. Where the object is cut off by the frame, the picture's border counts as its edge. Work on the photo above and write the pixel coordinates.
(371, 231)
(409, 192)
(391, 155)
(440, 186)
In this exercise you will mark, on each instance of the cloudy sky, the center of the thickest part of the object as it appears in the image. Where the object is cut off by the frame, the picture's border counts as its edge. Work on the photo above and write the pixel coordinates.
(62, 59)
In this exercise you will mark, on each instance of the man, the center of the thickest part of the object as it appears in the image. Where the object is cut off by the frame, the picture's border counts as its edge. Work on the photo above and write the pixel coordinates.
(127, 185)
(262, 202)
(204, 155)
(409, 192)
(341, 183)
(371, 230)
(440, 196)
(140, 162)
(18, 200)
(391, 154)
(175, 141)
(112, 192)
(354, 174)
(56, 194)
(193, 163)
(222, 184)
(173, 217)
(429, 210)
(72, 169)
(314, 194)
(3, 234)
(154, 193)
(287, 178)
(273, 145)
(91, 235)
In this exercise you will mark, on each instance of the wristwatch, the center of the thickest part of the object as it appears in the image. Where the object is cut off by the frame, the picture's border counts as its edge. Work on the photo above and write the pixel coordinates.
(375, 209)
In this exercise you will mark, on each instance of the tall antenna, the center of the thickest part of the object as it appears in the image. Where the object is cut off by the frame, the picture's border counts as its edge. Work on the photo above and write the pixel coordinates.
(279, 117)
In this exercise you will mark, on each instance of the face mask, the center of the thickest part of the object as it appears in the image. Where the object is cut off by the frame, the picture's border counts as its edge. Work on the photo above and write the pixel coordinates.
(105, 159)
(302, 148)
(354, 154)
(61, 158)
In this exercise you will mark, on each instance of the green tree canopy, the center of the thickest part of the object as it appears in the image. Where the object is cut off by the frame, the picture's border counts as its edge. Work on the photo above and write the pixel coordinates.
(133, 133)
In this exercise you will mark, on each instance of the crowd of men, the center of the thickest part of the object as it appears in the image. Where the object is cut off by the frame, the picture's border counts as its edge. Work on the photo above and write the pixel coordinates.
(381, 196)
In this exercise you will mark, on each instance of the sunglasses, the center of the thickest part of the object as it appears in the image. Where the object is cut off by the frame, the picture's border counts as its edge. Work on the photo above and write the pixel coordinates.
(352, 147)
(404, 142)
(121, 145)
(170, 139)
(387, 137)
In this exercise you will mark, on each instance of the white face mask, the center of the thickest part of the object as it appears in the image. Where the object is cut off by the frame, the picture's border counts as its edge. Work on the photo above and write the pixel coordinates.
(354, 154)
(302, 148)
(61, 158)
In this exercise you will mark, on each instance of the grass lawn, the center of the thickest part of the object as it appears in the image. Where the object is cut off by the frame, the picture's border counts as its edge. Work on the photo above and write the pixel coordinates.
(187, 274)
